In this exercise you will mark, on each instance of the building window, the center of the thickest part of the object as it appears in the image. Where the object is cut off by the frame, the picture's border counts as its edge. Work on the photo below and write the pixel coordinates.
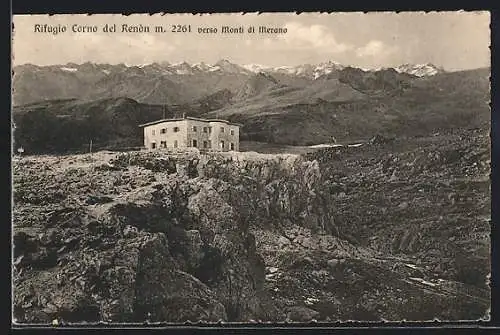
(205, 144)
(232, 131)
(232, 146)
(222, 144)
(209, 130)
(221, 129)
(153, 132)
(163, 130)
(175, 144)
(205, 129)
(163, 144)
(209, 144)
(195, 143)
(153, 145)
(195, 129)
(176, 129)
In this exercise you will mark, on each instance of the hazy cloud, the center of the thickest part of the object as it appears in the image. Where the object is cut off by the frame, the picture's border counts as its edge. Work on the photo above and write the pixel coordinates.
(316, 36)
(375, 48)
(146, 42)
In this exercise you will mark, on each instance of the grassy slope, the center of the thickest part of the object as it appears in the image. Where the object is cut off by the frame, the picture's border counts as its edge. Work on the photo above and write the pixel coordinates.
(313, 115)
(67, 125)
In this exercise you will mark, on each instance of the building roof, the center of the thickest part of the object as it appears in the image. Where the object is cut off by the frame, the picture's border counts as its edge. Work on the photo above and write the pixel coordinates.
(189, 118)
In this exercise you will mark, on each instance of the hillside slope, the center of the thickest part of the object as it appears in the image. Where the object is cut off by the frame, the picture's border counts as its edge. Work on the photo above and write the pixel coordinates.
(133, 83)
(65, 125)
(151, 84)
(347, 107)
(356, 108)
(255, 85)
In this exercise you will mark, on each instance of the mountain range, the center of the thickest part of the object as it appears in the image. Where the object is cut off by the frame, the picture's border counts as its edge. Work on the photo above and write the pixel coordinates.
(58, 108)
(164, 83)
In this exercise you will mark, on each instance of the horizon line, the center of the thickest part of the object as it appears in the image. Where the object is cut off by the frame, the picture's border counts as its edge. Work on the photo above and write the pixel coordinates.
(264, 67)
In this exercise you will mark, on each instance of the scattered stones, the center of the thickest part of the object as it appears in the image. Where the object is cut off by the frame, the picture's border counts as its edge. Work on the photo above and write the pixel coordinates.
(311, 301)
(130, 231)
(272, 269)
(379, 139)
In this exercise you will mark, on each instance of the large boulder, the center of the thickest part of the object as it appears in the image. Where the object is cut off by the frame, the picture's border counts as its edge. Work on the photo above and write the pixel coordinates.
(136, 280)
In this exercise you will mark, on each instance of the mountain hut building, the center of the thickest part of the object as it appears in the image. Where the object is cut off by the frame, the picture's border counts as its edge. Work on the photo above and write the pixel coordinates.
(204, 134)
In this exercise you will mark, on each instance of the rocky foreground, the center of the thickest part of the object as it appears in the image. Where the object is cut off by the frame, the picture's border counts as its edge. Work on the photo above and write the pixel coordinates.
(389, 230)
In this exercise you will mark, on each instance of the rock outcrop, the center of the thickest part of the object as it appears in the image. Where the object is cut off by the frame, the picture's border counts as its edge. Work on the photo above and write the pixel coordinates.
(393, 230)
(149, 236)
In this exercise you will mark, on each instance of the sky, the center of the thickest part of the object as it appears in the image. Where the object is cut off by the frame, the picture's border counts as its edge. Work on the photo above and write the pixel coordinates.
(452, 40)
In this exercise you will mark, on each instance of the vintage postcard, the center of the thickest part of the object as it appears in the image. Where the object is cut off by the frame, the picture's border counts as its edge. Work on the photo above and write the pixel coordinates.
(251, 168)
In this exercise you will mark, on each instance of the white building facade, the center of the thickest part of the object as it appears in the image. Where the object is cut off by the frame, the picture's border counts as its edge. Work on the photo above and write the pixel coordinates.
(190, 132)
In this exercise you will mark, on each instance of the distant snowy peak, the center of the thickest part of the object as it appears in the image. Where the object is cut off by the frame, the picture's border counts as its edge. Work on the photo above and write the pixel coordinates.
(304, 70)
(202, 66)
(256, 68)
(69, 69)
(326, 68)
(419, 70)
(311, 71)
(228, 67)
(182, 68)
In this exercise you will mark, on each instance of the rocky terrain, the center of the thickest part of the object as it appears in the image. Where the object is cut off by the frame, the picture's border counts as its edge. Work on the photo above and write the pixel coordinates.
(392, 229)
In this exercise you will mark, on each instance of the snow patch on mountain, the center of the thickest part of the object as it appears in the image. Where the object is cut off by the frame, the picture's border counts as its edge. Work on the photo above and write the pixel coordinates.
(69, 69)
(256, 68)
(182, 68)
(229, 67)
(224, 66)
(326, 68)
(201, 66)
(419, 70)
(215, 68)
(305, 70)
